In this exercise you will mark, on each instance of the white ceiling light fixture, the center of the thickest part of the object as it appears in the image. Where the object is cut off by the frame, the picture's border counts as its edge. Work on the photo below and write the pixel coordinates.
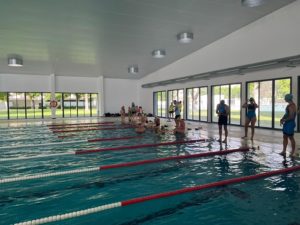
(252, 3)
(133, 69)
(15, 61)
(159, 53)
(185, 37)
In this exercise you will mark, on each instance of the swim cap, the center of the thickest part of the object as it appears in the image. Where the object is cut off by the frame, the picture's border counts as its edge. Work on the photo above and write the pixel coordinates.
(288, 97)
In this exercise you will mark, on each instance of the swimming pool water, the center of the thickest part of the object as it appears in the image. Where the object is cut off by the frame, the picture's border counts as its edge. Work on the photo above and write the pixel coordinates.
(273, 200)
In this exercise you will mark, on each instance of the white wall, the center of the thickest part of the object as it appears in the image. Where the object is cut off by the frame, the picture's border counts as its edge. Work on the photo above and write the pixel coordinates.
(24, 83)
(273, 36)
(42, 83)
(76, 84)
(119, 92)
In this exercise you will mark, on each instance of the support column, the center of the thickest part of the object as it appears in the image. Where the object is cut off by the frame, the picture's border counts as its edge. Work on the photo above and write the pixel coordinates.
(53, 101)
(210, 107)
(243, 100)
(101, 96)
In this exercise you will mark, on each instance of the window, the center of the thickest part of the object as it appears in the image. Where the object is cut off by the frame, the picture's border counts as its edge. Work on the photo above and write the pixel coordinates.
(197, 103)
(46, 105)
(83, 108)
(176, 95)
(231, 94)
(203, 104)
(94, 105)
(235, 104)
(269, 95)
(34, 105)
(69, 105)
(282, 87)
(3, 105)
(15, 105)
(160, 104)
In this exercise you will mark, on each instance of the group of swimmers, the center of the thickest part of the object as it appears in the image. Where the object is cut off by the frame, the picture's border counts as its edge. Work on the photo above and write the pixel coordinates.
(287, 121)
(134, 113)
(139, 119)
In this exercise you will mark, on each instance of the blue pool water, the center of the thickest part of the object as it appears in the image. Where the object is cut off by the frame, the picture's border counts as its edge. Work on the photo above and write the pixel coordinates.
(273, 200)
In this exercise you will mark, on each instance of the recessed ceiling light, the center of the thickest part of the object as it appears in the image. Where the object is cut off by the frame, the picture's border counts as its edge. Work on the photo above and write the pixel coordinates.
(185, 37)
(133, 69)
(159, 53)
(15, 61)
(252, 3)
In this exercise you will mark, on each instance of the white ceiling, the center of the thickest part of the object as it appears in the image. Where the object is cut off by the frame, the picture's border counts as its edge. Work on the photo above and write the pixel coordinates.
(104, 37)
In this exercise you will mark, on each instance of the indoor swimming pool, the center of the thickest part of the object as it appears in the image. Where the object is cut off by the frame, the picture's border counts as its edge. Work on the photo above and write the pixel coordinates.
(44, 173)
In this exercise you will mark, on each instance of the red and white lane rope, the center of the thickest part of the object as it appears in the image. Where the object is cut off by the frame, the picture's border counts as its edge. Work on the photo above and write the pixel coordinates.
(158, 196)
(113, 139)
(79, 152)
(69, 142)
(35, 156)
(77, 124)
(120, 165)
(42, 144)
(90, 129)
(82, 126)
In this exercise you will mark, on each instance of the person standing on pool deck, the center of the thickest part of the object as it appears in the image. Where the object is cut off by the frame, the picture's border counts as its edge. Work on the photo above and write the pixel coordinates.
(171, 110)
(250, 116)
(123, 114)
(223, 112)
(289, 124)
(53, 106)
(177, 113)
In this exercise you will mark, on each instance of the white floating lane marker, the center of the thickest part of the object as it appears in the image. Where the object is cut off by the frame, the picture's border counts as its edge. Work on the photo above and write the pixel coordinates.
(43, 144)
(43, 175)
(160, 195)
(72, 214)
(36, 156)
(120, 165)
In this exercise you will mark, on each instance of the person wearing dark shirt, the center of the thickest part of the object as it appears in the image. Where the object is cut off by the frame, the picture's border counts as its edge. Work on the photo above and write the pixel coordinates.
(223, 111)
(288, 125)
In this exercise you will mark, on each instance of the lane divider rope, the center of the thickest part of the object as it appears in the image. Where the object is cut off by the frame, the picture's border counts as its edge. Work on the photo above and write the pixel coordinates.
(35, 157)
(113, 139)
(80, 152)
(83, 126)
(42, 144)
(158, 196)
(82, 130)
(76, 124)
(101, 150)
(120, 165)
(69, 142)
